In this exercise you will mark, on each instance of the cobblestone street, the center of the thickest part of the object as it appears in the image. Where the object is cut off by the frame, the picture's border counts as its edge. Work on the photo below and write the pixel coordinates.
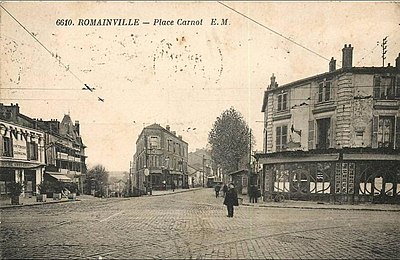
(193, 225)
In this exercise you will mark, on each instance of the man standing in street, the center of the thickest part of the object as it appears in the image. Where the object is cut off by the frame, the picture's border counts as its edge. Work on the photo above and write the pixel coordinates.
(224, 190)
(217, 188)
(231, 200)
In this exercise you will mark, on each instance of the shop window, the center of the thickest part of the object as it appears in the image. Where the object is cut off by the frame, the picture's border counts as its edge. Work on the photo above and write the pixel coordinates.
(324, 91)
(281, 138)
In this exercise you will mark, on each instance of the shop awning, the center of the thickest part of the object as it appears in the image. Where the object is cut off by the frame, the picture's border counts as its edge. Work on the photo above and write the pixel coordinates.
(371, 157)
(302, 158)
(59, 176)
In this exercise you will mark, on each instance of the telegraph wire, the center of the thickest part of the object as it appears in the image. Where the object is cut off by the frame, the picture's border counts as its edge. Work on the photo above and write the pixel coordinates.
(275, 32)
(191, 89)
(34, 37)
(58, 58)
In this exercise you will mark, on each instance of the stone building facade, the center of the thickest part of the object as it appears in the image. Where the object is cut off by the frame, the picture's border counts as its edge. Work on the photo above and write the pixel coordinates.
(161, 159)
(334, 136)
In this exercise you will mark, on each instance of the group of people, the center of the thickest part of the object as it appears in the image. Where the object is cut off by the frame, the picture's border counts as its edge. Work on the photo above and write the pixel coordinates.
(254, 194)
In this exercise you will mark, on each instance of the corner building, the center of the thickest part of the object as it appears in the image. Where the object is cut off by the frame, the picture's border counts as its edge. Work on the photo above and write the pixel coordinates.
(161, 159)
(334, 136)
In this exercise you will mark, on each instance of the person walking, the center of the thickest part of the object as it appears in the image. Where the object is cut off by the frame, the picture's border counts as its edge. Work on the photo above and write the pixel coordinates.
(224, 190)
(217, 188)
(231, 200)
(173, 186)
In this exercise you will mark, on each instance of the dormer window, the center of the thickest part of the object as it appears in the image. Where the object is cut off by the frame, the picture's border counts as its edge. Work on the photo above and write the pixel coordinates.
(324, 91)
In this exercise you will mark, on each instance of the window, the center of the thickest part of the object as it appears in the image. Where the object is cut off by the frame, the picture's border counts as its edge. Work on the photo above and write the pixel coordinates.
(154, 142)
(169, 145)
(324, 91)
(323, 133)
(383, 132)
(281, 138)
(282, 102)
(32, 150)
(7, 147)
(384, 88)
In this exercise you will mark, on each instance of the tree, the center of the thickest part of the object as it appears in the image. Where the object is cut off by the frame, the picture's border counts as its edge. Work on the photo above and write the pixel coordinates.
(97, 179)
(230, 140)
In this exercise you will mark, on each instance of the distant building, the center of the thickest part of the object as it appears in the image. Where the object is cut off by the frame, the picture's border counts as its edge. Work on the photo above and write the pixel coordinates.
(57, 154)
(334, 136)
(162, 156)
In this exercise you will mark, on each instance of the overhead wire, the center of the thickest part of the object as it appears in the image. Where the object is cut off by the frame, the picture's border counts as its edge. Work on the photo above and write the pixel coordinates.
(273, 31)
(58, 58)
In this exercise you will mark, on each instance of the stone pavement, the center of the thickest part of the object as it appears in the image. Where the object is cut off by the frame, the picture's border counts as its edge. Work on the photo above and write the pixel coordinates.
(193, 225)
(5, 203)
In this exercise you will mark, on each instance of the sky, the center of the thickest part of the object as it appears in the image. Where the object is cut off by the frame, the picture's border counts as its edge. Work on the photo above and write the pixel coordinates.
(184, 76)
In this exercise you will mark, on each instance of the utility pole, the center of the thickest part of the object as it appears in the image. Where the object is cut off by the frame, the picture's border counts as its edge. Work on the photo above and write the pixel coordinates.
(384, 47)
(249, 166)
(203, 170)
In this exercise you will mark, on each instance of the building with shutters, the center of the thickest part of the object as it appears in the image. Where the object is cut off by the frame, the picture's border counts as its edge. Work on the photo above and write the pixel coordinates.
(160, 160)
(334, 136)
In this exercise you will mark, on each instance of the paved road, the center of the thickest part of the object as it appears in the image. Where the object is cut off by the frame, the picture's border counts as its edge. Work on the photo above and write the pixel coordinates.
(193, 225)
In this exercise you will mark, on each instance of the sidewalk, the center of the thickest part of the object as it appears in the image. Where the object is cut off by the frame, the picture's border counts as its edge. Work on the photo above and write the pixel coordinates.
(320, 205)
(169, 192)
(6, 202)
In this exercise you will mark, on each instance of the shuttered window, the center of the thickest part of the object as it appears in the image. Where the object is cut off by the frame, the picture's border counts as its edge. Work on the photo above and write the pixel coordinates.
(311, 135)
(397, 133)
(375, 122)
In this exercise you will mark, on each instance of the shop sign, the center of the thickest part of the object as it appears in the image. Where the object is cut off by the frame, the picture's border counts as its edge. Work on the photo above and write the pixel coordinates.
(8, 164)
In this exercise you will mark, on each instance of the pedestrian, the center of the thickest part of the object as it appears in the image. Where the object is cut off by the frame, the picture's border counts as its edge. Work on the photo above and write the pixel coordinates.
(173, 186)
(217, 189)
(231, 200)
(254, 194)
(224, 190)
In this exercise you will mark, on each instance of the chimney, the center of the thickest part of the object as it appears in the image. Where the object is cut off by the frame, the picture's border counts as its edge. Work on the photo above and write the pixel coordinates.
(332, 65)
(173, 132)
(347, 60)
(398, 62)
(77, 127)
(167, 127)
(273, 84)
(180, 137)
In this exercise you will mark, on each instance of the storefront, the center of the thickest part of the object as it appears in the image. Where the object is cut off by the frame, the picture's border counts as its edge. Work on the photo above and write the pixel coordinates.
(346, 176)
(21, 157)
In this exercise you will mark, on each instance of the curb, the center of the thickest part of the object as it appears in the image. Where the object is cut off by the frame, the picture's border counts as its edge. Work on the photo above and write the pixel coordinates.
(38, 204)
(176, 192)
(322, 208)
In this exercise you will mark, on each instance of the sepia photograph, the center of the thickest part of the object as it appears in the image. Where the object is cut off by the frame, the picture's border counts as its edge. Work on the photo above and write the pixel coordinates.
(199, 129)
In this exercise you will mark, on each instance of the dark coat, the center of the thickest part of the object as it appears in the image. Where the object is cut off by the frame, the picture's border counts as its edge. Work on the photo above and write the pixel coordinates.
(231, 198)
(225, 188)
(217, 187)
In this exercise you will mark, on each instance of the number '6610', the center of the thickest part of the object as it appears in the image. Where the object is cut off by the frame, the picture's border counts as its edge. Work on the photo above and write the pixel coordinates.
(64, 22)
